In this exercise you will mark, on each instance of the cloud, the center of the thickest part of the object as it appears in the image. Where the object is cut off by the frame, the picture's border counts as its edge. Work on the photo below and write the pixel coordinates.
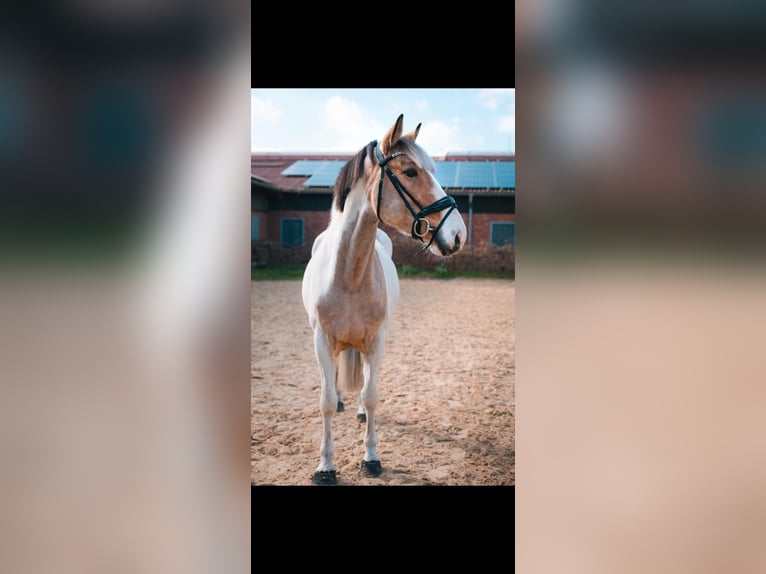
(495, 97)
(350, 124)
(438, 138)
(264, 110)
(507, 125)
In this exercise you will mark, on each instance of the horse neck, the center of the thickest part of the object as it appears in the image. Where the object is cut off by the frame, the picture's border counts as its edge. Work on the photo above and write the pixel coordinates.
(356, 247)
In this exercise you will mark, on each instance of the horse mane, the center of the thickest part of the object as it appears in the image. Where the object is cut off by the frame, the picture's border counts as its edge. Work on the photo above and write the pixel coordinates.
(354, 168)
(350, 174)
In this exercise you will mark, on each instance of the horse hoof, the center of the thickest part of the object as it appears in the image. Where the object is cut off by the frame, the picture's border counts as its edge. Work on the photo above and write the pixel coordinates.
(361, 417)
(371, 468)
(325, 478)
(340, 407)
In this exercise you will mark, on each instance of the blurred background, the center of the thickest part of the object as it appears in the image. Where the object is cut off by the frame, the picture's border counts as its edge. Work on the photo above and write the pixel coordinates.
(124, 394)
(641, 151)
(640, 140)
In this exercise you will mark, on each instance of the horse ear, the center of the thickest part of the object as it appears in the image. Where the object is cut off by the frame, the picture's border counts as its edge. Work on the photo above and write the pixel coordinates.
(392, 136)
(413, 134)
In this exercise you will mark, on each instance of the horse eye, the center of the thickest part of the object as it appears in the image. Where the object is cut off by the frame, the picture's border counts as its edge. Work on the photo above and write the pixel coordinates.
(410, 172)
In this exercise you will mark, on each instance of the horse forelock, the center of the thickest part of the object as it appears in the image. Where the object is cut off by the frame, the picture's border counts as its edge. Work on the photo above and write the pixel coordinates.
(415, 153)
(350, 174)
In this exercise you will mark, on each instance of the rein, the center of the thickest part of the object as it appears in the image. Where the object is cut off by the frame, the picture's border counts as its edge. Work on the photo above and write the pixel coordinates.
(420, 225)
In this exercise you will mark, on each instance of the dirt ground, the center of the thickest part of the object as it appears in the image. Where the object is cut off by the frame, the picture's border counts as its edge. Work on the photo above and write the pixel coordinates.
(447, 395)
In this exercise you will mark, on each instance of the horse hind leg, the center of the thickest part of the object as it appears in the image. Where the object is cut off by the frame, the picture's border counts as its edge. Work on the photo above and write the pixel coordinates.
(369, 400)
(328, 404)
(340, 408)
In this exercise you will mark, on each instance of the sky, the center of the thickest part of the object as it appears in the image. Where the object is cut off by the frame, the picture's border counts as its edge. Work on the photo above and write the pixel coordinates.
(344, 120)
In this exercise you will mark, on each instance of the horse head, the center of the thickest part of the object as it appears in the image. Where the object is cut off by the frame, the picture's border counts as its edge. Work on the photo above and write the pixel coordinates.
(408, 197)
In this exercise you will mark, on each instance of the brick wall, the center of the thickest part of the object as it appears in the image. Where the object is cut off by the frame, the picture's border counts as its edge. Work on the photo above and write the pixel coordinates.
(314, 223)
(480, 256)
(487, 258)
(269, 251)
(482, 225)
(264, 217)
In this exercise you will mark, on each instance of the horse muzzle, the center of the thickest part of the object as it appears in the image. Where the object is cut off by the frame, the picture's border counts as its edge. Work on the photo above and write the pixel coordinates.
(449, 242)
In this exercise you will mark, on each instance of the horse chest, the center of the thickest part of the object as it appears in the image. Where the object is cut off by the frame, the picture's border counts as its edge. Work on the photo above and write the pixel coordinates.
(351, 319)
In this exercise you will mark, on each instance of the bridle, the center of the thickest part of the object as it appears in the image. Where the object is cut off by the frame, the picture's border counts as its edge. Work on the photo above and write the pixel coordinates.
(420, 225)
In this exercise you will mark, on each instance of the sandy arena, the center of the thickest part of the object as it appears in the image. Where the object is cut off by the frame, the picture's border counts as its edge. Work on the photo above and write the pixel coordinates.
(447, 396)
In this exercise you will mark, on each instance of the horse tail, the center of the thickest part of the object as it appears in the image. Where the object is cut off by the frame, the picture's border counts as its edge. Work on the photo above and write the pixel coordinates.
(350, 377)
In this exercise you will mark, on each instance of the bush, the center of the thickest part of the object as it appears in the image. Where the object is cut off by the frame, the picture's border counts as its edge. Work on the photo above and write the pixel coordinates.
(268, 254)
(409, 258)
(441, 271)
(409, 271)
(493, 259)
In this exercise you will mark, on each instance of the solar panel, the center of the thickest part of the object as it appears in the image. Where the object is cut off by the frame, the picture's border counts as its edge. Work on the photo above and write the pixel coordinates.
(479, 174)
(506, 174)
(325, 174)
(449, 174)
(445, 173)
(321, 180)
(303, 167)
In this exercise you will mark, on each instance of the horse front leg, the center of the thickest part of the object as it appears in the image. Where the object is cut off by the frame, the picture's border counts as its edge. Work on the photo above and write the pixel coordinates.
(369, 398)
(328, 403)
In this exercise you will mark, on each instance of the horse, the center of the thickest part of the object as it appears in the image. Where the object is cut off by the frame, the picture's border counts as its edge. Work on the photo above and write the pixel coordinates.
(350, 286)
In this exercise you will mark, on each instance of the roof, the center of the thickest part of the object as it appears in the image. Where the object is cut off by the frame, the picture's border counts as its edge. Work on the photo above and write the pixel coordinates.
(265, 183)
(459, 174)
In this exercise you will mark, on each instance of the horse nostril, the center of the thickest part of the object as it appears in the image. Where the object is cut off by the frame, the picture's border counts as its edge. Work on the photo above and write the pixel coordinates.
(455, 248)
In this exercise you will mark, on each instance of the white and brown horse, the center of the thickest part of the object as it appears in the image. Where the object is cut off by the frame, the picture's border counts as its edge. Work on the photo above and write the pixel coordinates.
(350, 286)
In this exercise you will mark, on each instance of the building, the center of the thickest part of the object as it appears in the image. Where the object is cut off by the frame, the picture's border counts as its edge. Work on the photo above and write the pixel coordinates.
(291, 196)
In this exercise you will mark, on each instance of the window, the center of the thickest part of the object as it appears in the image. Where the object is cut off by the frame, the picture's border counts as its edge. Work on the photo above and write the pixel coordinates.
(255, 227)
(292, 231)
(502, 232)
(731, 132)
